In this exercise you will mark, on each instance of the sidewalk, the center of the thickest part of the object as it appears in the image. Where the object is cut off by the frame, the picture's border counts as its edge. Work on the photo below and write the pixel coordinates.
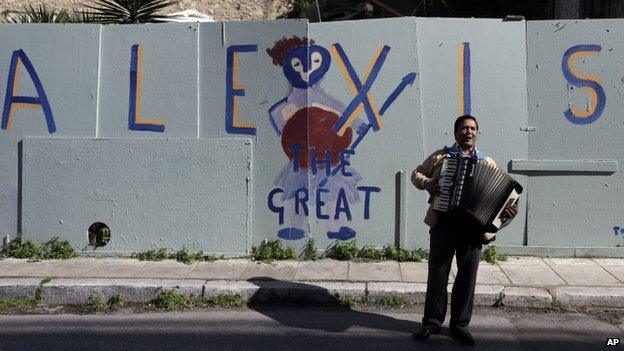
(523, 281)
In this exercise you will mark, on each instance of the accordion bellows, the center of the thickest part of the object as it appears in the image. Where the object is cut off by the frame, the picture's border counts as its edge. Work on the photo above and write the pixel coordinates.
(481, 190)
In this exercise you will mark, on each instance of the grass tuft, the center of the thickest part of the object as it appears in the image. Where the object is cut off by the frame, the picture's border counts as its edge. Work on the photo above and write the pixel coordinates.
(188, 257)
(310, 252)
(151, 255)
(392, 301)
(272, 250)
(557, 307)
(349, 251)
(502, 300)
(183, 255)
(343, 251)
(26, 303)
(170, 300)
(96, 304)
(490, 256)
(52, 249)
(351, 301)
(227, 300)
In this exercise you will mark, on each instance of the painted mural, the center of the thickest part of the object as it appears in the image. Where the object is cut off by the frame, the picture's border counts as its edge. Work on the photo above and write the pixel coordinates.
(309, 106)
(319, 135)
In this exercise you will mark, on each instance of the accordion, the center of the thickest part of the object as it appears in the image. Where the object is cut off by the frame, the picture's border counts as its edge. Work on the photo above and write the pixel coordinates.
(480, 190)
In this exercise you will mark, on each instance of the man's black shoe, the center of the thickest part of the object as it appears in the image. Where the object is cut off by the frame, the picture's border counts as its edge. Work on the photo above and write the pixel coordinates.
(424, 333)
(463, 335)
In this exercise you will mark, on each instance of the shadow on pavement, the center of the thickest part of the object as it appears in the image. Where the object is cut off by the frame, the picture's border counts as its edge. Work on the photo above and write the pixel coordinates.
(274, 296)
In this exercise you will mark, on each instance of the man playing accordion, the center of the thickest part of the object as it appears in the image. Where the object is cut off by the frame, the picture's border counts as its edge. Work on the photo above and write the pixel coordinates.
(453, 233)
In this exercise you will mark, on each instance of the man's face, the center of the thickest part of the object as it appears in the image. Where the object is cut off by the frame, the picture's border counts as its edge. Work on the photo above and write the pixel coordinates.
(466, 135)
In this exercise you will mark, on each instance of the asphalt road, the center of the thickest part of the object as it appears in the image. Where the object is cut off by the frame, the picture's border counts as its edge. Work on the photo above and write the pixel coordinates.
(318, 329)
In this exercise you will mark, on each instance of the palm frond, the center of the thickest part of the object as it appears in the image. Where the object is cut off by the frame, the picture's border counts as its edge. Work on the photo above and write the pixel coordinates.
(40, 14)
(128, 11)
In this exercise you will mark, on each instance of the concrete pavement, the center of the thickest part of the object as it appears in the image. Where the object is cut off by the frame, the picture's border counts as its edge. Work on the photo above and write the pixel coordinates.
(518, 282)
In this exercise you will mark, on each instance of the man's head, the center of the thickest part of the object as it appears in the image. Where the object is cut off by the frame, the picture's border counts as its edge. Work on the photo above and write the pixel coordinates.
(466, 129)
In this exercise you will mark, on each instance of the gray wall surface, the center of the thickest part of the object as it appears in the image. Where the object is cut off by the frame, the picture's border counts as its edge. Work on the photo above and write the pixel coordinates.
(580, 203)
(157, 127)
(151, 193)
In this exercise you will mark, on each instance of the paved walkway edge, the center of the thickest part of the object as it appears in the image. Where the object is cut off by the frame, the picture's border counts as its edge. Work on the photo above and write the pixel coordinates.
(78, 292)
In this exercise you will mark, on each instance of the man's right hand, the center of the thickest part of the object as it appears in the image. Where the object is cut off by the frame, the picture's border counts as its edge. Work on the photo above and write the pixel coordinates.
(431, 185)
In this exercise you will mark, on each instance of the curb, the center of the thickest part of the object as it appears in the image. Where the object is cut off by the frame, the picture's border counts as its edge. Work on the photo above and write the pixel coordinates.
(78, 292)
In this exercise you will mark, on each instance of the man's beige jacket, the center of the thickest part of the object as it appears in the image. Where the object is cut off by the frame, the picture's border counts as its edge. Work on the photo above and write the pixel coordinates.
(430, 168)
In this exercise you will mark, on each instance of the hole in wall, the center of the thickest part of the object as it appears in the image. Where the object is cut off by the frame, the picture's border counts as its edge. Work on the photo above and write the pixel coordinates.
(99, 234)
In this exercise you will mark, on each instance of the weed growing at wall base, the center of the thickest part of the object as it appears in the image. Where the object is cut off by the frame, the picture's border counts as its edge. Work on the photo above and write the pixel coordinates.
(271, 250)
(151, 255)
(349, 251)
(183, 255)
(491, 256)
(310, 252)
(52, 249)
(343, 251)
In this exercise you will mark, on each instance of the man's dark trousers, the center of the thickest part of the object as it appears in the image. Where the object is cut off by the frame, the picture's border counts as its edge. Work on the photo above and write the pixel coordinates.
(452, 236)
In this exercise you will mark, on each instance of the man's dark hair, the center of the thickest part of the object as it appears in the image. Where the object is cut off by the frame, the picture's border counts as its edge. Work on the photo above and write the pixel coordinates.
(461, 119)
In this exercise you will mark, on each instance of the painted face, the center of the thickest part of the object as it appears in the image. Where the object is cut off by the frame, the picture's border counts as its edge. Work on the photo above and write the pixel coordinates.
(466, 135)
(305, 66)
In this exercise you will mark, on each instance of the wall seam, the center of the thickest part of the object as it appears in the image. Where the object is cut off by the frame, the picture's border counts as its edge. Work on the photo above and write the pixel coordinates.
(525, 235)
(198, 82)
(99, 84)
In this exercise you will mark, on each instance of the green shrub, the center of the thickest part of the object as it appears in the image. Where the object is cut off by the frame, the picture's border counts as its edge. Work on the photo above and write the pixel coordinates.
(491, 256)
(271, 250)
(346, 251)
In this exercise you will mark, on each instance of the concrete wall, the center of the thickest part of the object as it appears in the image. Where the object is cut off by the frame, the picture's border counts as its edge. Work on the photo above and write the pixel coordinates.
(190, 134)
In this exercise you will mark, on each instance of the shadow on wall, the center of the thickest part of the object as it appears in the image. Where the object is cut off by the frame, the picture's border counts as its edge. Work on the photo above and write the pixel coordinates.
(276, 299)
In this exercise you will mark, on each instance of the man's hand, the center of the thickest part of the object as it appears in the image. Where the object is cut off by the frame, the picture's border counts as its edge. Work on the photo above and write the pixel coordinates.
(431, 185)
(510, 211)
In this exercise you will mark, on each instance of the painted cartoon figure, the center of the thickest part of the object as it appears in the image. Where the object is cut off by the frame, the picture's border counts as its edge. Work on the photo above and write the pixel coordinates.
(304, 120)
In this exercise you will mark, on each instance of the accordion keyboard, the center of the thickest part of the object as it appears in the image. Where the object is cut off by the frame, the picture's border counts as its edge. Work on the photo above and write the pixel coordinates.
(442, 202)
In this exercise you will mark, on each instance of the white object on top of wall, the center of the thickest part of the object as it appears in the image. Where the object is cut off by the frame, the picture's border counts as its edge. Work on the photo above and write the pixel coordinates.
(188, 16)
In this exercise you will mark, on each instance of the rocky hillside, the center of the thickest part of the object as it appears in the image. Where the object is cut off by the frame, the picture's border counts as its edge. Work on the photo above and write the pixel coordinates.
(221, 10)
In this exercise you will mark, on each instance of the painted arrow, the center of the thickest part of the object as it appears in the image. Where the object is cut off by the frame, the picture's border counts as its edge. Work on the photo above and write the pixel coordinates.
(407, 80)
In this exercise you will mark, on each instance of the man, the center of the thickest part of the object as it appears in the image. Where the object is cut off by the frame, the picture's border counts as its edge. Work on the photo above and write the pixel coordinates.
(452, 234)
